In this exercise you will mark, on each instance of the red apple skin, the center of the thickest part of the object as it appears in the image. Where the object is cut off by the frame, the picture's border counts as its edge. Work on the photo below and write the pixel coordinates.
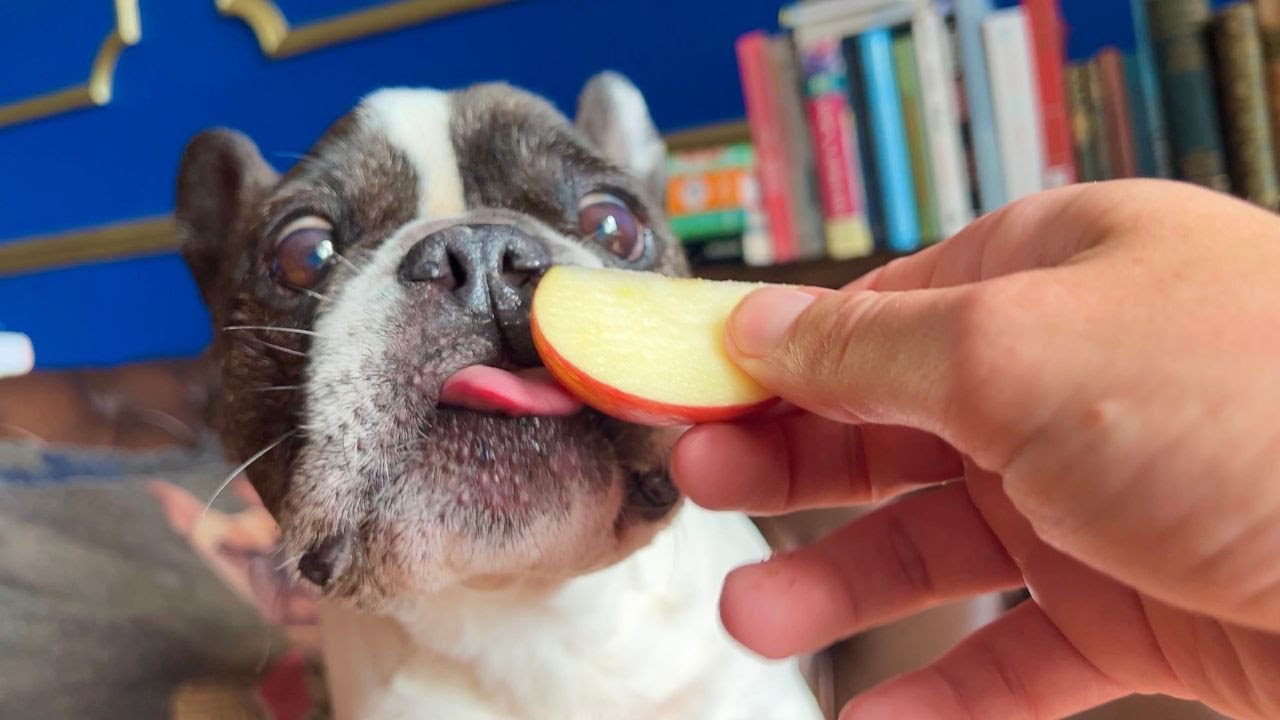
(630, 408)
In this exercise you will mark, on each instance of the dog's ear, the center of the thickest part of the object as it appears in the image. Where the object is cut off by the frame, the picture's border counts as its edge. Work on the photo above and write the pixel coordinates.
(613, 115)
(221, 172)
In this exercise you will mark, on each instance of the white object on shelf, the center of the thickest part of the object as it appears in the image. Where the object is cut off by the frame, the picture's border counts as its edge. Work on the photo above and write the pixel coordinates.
(937, 69)
(16, 354)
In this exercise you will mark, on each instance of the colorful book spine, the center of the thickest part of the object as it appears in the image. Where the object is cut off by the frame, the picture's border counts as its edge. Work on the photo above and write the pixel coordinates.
(764, 119)
(1116, 116)
(904, 61)
(1084, 131)
(864, 140)
(1179, 34)
(969, 15)
(712, 189)
(935, 63)
(706, 159)
(1148, 76)
(708, 224)
(1143, 143)
(902, 230)
(1047, 38)
(1014, 97)
(833, 133)
(804, 186)
(1269, 26)
(1243, 89)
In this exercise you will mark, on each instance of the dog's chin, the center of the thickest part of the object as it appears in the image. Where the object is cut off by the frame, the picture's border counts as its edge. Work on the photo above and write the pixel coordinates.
(481, 501)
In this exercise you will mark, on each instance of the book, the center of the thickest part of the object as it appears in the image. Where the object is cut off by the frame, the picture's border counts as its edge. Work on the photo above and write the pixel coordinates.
(1014, 98)
(969, 15)
(1044, 17)
(1115, 114)
(709, 224)
(904, 62)
(713, 157)
(864, 140)
(699, 191)
(943, 124)
(759, 88)
(1098, 118)
(1140, 125)
(1269, 27)
(1083, 129)
(1179, 35)
(1243, 90)
(833, 133)
(835, 19)
(1148, 77)
(804, 187)
(890, 154)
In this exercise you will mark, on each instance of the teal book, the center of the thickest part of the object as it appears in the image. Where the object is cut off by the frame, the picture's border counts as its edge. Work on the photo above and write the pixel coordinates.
(1144, 146)
(864, 139)
(1179, 34)
(890, 149)
(1145, 80)
(969, 15)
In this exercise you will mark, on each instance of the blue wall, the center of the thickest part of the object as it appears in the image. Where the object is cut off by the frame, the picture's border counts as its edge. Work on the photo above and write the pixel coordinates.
(195, 69)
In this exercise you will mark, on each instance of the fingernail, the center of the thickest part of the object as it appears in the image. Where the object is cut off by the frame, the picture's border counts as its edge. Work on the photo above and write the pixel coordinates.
(761, 321)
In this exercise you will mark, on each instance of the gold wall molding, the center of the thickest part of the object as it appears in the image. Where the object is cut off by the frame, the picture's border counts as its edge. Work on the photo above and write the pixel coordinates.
(97, 90)
(279, 39)
(109, 242)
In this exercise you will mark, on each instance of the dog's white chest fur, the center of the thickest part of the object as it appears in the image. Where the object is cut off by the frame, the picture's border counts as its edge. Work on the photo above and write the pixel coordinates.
(640, 639)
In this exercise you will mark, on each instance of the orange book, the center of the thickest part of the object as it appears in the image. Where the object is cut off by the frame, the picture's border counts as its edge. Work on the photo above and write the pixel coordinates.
(1116, 115)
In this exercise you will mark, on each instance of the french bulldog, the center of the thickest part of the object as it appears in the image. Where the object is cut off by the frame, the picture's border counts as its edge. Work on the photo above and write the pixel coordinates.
(485, 546)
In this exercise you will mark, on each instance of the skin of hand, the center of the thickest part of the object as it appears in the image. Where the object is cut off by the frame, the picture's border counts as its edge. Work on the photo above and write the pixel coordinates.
(1079, 394)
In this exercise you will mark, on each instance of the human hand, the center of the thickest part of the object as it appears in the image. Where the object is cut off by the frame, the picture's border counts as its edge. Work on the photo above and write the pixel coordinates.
(1100, 365)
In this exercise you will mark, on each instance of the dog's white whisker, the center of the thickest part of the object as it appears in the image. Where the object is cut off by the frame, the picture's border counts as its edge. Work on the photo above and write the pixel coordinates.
(318, 296)
(344, 259)
(272, 328)
(281, 348)
(276, 388)
(235, 473)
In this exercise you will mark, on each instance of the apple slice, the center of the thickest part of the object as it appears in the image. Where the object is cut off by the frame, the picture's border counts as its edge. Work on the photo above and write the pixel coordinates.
(643, 347)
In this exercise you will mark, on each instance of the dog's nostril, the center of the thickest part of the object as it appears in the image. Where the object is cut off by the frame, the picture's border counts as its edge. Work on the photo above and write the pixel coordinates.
(320, 562)
(651, 495)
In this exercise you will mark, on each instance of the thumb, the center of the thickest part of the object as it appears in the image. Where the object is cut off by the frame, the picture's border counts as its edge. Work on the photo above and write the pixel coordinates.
(865, 357)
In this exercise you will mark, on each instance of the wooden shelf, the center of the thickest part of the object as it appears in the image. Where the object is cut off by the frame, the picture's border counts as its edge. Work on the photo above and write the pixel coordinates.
(818, 273)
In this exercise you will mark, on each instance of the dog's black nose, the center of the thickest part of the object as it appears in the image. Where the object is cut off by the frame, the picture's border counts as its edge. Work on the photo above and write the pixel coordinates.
(489, 268)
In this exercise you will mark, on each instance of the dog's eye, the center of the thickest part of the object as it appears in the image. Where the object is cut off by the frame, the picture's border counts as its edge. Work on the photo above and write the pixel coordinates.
(608, 221)
(303, 254)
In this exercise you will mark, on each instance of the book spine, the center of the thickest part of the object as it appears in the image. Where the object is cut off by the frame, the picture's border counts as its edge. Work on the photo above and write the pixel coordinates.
(763, 118)
(1178, 32)
(1148, 75)
(712, 223)
(1269, 26)
(969, 15)
(1098, 117)
(902, 231)
(717, 157)
(1116, 116)
(937, 70)
(834, 135)
(1047, 38)
(864, 141)
(1143, 144)
(711, 189)
(1243, 89)
(1014, 96)
(804, 178)
(1083, 129)
(904, 60)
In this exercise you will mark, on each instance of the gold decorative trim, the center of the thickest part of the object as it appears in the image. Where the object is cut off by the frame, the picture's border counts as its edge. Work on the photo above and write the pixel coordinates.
(97, 90)
(109, 242)
(278, 39)
(722, 133)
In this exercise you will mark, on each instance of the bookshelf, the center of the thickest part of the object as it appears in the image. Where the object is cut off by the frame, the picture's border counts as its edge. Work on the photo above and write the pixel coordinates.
(857, 145)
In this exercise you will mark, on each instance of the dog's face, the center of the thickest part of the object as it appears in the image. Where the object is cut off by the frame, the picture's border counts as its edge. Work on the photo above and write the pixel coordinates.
(407, 442)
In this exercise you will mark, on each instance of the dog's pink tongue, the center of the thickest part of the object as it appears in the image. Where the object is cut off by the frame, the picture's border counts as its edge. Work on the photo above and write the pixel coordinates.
(527, 392)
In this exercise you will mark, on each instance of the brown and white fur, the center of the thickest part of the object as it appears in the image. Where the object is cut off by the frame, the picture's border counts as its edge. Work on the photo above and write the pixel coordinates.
(472, 565)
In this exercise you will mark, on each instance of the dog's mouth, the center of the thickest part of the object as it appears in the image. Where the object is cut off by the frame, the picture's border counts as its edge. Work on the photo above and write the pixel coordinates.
(530, 392)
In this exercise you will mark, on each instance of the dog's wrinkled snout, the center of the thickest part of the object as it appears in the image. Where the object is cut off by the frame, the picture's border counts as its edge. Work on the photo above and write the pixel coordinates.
(490, 269)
